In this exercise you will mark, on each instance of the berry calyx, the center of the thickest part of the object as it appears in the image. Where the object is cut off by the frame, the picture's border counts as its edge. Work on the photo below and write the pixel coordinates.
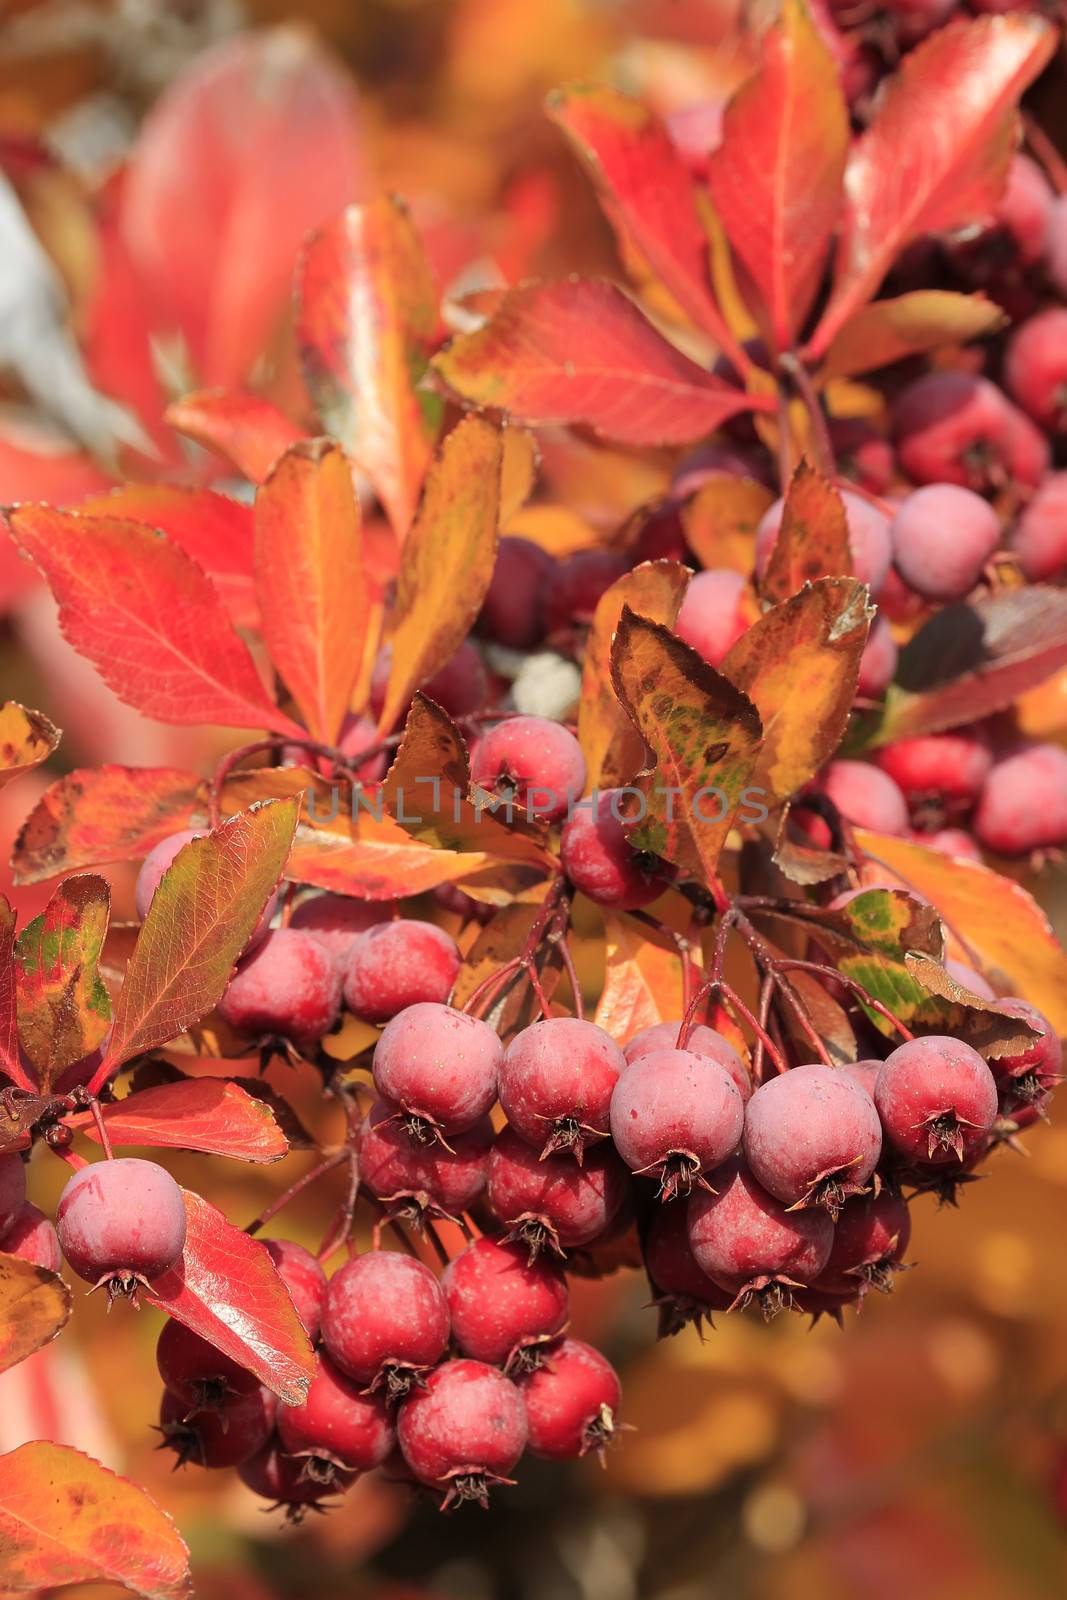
(937, 1099)
(222, 1437)
(283, 1480)
(121, 1223)
(870, 1239)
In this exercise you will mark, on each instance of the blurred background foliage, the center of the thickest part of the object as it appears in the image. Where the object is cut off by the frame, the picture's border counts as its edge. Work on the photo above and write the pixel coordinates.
(923, 1451)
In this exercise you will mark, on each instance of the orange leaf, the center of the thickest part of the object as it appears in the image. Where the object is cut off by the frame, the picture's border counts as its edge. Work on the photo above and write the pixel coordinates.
(310, 581)
(64, 1009)
(209, 1114)
(65, 1519)
(367, 316)
(812, 540)
(34, 1306)
(9, 1035)
(447, 561)
(246, 430)
(26, 739)
(643, 980)
(612, 747)
(98, 814)
(721, 519)
(925, 319)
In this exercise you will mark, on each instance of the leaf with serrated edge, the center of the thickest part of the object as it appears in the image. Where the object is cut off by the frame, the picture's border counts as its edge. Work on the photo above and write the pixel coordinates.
(798, 665)
(705, 736)
(34, 1305)
(64, 1009)
(227, 1291)
(209, 1114)
(812, 539)
(26, 739)
(911, 324)
(65, 1519)
(201, 917)
(98, 814)
(244, 429)
(642, 978)
(148, 618)
(447, 561)
(952, 1009)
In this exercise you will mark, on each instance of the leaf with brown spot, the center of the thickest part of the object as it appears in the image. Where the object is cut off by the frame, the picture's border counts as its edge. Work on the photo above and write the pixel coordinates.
(721, 518)
(34, 1305)
(26, 739)
(705, 736)
(612, 747)
(64, 1009)
(798, 665)
(812, 540)
(98, 814)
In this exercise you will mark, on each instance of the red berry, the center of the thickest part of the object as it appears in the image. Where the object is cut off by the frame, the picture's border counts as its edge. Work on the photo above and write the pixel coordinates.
(513, 611)
(751, 1244)
(287, 986)
(878, 663)
(464, 1430)
(952, 427)
(950, 766)
(399, 964)
(937, 1099)
(683, 1291)
(533, 761)
(419, 1179)
(571, 1402)
(658, 534)
(868, 535)
(1024, 207)
(712, 618)
(870, 1239)
(285, 1481)
(555, 1083)
(914, 19)
(504, 1308)
(943, 537)
(359, 734)
(862, 453)
(385, 1321)
(812, 1137)
(336, 921)
(32, 1236)
(200, 1376)
(948, 842)
(865, 1073)
(462, 905)
(12, 1190)
(1056, 245)
(223, 1437)
(460, 687)
(439, 1067)
(121, 1223)
(551, 1201)
(1040, 537)
(676, 1114)
(576, 585)
(702, 1041)
(304, 1279)
(1027, 1078)
(337, 1428)
(599, 859)
(865, 796)
(1035, 367)
(1023, 805)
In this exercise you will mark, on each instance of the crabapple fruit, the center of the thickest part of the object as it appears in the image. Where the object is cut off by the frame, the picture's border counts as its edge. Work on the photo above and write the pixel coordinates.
(865, 1073)
(862, 453)
(937, 1099)
(943, 536)
(504, 1308)
(416, 1180)
(32, 1236)
(1040, 537)
(288, 986)
(551, 1201)
(398, 964)
(953, 427)
(702, 1041)
(439, 1067)
(870, 1239)
(1023, 804)
(868, 537)
(337, 1427)
(711, 618)
(751, 1244)
(675, 1114)
(555, 1083)
(878, 663)
(461, 904)
(284, 1480)
(952, 765)
(571, 1402)
(812, 1137)
(513, 611)
(200, 1376)
(12, 1190)
(460, 687)
(599, 859)
(535, 762)
(1024, 208)
(223, 1437)
(385, 1320)
(947, 842)
(575, 586)
(336, 921)
(304, 1279)
(357, 735)
(1056, 245)
(121, 1223)
(683, 1291)
(865, 796)
(1028, 1076)
(1035, 367)
(463, 1430)
(660, 535)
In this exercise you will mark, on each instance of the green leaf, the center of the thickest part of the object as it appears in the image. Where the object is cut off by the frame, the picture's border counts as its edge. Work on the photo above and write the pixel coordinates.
(63, 1005)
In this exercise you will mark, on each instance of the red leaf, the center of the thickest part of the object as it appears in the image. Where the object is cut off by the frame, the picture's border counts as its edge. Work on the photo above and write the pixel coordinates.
(647, 194)
(367, 319)
(215, 530)
(247, 151)
(209, 1114)
(310, 581)
(148, 618)
(578, 351)
(776, 176)
(246, 430)
(936, 152)
(98, 814)
(228, 1292)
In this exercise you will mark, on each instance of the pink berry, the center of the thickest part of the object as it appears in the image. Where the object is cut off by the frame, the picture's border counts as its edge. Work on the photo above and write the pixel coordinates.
(571, 1402)
(418, 1180)
(460, 687)
(712, 618)
(385, 1321)
(504, 1308)
(1023, 805)
(878, 663)
(576, 585)
(812, 1137)
(937, 1099)
(1040, 537)
(464, 1430)
(121, 1223)
(865, 796)
(948, 842)
(952, 427)
(556, 1080)
(513, 611)
(599, 859)
(201, 1377)
(284, 1481)
(868, 534)
(550, 1202)
(865, 1073)
(287, 986)
(399, 964)
(862, 453)
(532, 761)
(32, 1236)
(357, 735)
(702, 1041)
(336, 921)
(952, 766)
(676, 1114)
(1056, 245)
(439, 1067)
(1028, 1077)
(682, 1289)
(338, 1427)
(750, 1244)
(870, 1239)
(1024, 209)
(943, 536)
(219, 1438)
(304, 1279)
(1035, 367)
(12, 1190)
